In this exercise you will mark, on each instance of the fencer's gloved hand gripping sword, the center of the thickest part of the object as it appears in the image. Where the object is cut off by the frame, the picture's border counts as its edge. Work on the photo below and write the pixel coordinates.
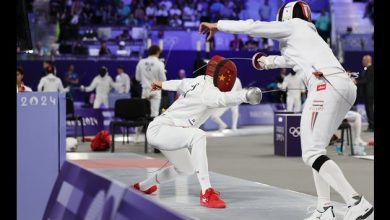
(253, 95)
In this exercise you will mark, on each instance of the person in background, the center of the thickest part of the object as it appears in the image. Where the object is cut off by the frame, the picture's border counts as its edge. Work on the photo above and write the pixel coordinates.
(51, 83)
(251, 45)
(47, 64)
(71, 80)
(124, 36)
(122, 80)
(295, 87)
(40, 50)
(104, 50)
(236, 44)
(366, 83)
(135, 88)
(20, 87)
(323, 25)
(103, 84)
(265, 11)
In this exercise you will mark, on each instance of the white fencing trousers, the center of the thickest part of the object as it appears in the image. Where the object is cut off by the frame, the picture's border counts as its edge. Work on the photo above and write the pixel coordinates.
(155, 99)
(294, 103)
(174, 143)
(323, 113)
(99, 99)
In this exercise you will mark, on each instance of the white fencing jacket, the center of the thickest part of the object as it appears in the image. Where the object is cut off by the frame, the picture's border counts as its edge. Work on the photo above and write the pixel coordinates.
(103, 85)
(51, 83)
(148, 70)
(293, 84)
(198, 100)
(300, 45)
(123, 82)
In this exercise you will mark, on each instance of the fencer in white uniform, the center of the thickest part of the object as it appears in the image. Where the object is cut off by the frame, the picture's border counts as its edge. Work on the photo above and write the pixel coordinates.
(216, 117)
(103, 84)
(294, 85)
(355, 120)
(176, 131)
(331, 94)
(122, 80)
(148, 70)
(51, 83)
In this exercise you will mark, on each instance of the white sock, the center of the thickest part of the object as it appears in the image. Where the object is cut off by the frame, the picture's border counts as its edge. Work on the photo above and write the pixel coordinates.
(323, 191)
(332, 174)
(200, 162)
(164, 175)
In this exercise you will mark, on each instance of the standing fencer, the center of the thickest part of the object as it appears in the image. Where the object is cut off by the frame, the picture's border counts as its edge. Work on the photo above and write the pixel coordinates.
(331, 93)
(103, 84)
(122, 80)
(51, 83)
(148, 70)
(355, 120)
(177, 129)
(295, 87)
(216, 117)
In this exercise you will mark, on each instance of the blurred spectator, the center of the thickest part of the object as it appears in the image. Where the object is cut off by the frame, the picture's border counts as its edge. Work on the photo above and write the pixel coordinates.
(122, 51)
(202, 8)
(265, 11)
(87, 14)
(71, 80)
(278, 96)
(236, 44)
(131, 21)
(251, 44)
(182, 74)
(71, 77)
(53, 50)
(109, 15)
(90, 35)
(226, 12)
(123, 12)
(20, 87)
(76, 12)
(188, 12)
(162, 11)
(366, 83)
(79, 49)
(244, 14)
(98, 16)
(104, 50)
(151, 10)
(124, 36)
(167, 4)
(216, 6)
(369, 11)
(175, 21)
(323, 25)
(139, 15)
(175, 11)
(40, 50)
(122, 80)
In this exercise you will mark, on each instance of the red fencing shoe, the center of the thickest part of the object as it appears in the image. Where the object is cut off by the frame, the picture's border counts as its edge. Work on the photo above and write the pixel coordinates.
(210, 199)
(151, 189)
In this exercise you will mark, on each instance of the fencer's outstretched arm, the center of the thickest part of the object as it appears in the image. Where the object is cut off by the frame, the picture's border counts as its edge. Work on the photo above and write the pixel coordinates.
(171, 85)
(92, 86)
(274, 62)
(274, 29)
(226, 99)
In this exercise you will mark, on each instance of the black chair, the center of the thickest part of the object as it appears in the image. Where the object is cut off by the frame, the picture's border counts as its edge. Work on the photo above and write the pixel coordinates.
(134, 112)
(70, 116)
(345, 126)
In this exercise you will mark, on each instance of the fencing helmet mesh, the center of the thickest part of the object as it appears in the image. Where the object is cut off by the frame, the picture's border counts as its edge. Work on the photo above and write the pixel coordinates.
(296, 9)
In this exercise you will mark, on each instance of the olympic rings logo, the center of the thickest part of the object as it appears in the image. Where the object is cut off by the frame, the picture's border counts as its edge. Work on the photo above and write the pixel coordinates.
(295, 132)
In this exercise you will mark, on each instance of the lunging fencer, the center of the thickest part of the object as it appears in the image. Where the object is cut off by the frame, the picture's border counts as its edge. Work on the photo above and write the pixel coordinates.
(216, 117)
(331, 94)
(176, 131)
